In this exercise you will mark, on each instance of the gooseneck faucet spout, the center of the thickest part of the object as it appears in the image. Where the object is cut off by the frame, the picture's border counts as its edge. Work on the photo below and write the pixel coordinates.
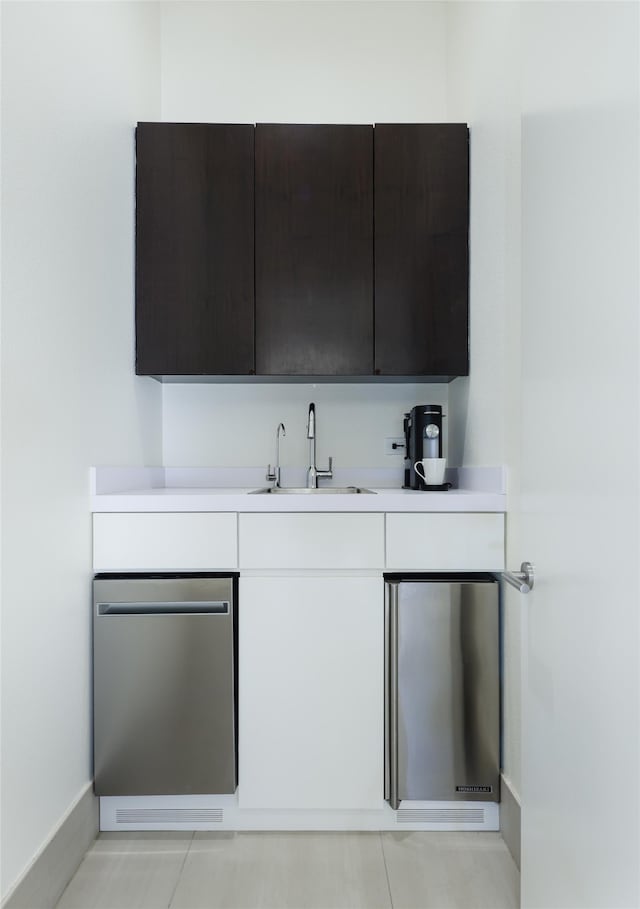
(314, 472)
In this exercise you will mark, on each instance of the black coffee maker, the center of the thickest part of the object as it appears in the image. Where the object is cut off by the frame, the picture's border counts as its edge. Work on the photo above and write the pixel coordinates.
(423, 439)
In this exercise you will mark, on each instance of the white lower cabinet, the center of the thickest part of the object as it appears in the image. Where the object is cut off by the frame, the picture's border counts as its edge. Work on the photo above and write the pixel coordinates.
(311, 692)
(310, 654)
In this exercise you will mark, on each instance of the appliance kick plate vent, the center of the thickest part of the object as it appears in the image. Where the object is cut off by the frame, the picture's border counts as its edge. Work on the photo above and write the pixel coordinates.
(440, 816)
(169, 815)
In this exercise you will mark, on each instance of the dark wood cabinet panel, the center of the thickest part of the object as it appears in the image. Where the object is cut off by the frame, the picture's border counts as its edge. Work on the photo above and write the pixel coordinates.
(314, 250)
(194, 249)
(308, 219)
(421, 249)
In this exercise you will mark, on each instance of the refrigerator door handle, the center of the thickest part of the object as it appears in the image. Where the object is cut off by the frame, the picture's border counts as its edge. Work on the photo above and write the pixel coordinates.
(391, 693)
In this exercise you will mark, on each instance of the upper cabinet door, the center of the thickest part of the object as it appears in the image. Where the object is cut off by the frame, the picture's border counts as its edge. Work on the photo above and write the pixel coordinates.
(421, 249)
(314, 250)
(194, 249)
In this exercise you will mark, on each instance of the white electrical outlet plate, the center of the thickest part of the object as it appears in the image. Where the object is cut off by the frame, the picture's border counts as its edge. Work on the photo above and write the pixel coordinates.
(390, 442)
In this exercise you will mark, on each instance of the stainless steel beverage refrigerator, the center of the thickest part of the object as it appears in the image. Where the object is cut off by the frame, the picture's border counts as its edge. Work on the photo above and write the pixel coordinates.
(442, 688)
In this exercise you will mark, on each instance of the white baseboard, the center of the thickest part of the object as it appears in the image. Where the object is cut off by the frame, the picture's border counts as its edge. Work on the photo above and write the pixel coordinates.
(210, 812)
(510, 819)
(43, 882)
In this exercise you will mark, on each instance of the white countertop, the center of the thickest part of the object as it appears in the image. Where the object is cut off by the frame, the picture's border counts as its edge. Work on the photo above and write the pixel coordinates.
(173, 489)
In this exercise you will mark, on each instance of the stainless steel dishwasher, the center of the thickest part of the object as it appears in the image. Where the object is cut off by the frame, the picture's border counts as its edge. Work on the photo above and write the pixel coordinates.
(442, 688)
(164, 684)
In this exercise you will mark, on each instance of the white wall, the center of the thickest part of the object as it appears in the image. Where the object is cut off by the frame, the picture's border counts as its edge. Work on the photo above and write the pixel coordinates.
(483, 89)
(75, 77)
(317, 61)
(297, 62)
(235, 425)
(483, 86)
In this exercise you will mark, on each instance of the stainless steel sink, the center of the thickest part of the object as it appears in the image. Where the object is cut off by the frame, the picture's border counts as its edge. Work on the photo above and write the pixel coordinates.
(302, 490)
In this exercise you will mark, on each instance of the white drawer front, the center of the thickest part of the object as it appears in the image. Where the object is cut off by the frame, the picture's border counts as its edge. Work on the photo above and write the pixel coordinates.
(299, 541)
(445, 542)
(165, 542)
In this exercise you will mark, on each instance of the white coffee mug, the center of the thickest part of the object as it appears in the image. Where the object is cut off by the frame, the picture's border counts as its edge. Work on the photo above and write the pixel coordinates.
(431, 470)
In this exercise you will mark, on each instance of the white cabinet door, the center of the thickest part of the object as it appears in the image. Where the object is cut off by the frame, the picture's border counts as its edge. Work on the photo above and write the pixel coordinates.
(311, 693)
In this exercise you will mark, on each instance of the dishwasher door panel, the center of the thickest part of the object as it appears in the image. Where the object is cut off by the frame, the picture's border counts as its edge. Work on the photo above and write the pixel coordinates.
(164, 686)
(447, 697)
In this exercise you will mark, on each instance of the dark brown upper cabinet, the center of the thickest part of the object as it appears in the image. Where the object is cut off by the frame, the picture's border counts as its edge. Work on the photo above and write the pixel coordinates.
(421, 250)
(194, 249)
(326, 214)
(314, 250)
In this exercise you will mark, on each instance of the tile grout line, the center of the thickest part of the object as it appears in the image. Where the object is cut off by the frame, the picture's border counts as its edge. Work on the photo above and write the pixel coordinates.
(68, 884)
(386, 870)
(184, 861)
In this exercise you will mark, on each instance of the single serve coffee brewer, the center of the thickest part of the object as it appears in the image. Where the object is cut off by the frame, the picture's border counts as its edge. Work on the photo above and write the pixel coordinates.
(423, 439)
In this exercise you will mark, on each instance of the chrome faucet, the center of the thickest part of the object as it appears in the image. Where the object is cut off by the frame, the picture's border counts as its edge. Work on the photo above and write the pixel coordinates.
(314, 472)
(274, 475)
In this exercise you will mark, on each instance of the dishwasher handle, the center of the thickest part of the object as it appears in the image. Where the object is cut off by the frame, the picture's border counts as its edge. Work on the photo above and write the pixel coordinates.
(182, 607)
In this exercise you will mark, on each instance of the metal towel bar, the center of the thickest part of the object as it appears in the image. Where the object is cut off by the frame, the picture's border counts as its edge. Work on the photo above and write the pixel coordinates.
(522, 580)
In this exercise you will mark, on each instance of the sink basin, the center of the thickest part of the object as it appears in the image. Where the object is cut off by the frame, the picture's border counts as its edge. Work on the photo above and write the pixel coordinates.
(302, 490)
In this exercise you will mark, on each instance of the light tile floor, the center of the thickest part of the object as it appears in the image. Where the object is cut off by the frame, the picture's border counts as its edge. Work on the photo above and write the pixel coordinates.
(295, 871)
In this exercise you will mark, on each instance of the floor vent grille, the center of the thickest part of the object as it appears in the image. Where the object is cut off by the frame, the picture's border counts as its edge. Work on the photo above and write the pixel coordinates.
(169, 816)
(440, 816)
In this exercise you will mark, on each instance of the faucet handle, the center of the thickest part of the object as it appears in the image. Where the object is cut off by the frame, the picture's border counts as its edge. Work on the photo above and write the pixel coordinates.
(326, 473)
(270, 474)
